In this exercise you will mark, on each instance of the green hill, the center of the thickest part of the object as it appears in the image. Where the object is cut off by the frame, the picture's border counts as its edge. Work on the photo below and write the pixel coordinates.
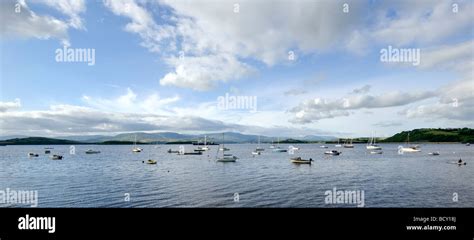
(38, 141)
(463, 135)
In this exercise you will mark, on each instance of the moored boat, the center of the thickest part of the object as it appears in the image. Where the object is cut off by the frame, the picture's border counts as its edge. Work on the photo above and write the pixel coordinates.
(299, 160)
(56, 157)
(90, 151)
(33, 154)
(151, 161)
(332, 152)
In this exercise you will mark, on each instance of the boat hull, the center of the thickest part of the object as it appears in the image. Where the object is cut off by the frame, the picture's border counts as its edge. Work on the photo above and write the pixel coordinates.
(410, 150)
(227, 159)
(374, 148)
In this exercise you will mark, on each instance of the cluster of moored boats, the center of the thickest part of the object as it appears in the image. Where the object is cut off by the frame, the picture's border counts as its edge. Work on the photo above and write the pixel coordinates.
(47, 151)
(223, 153)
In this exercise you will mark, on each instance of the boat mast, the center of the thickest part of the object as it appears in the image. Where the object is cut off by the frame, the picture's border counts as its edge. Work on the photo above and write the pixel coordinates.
(223, 146)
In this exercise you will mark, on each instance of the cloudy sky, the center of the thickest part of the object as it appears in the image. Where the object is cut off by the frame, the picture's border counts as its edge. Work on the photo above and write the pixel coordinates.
(314, 67)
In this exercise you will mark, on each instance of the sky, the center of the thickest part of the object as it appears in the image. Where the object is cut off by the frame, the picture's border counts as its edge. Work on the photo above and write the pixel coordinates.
(309, 67)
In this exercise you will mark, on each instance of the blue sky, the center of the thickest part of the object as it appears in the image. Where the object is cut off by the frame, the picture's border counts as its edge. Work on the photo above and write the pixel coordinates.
(335, 85)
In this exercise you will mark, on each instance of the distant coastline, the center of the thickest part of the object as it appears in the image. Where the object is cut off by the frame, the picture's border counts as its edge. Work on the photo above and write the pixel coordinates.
(436, 136)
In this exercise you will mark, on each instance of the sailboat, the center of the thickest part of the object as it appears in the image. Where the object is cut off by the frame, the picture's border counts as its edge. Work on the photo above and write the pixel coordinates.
(348, 144)
(258, 150)
(371, 144)
(278, 148)
(338, 144)
(225, 157)
(272, 146)
(135, 148)
(205, 148)
(409, 149)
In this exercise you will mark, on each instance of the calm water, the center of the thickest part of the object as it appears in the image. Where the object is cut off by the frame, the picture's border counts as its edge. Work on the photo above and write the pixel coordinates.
(268, 180)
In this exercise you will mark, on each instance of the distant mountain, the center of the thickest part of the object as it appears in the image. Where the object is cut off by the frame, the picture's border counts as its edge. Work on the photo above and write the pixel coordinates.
(84, 138)
(163, 137)
(145, 137)
(314, 138)
(434, 135)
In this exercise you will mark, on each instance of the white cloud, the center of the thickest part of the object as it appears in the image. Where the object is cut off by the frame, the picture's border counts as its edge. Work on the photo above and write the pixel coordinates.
(76, 120)
(202, 73)
(29, 24)
(457, 57)
(316, 109)
(6, 106)
(421, 22)
(130, 103)
(70, 8)
(142, 23)
(455, 101)
(68, 119)
(216, 41)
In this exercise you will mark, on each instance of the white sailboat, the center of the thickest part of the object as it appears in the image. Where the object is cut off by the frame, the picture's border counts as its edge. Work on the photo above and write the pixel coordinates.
(293, 148)
(409, 149)
(371, 145)
(205, 148)
(135, 148)
(338, 144)
(348, 144)
(225, 157)
(272, 146)
(258, 150)
(278, 148)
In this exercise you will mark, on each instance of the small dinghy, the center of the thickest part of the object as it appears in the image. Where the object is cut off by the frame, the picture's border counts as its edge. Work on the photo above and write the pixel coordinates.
(151, 161)
(434, 153)
(332, 152)
(56, 157)
(299, 160)
(33, 155)
(90, 151)
(376, 152)
(278, 149)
